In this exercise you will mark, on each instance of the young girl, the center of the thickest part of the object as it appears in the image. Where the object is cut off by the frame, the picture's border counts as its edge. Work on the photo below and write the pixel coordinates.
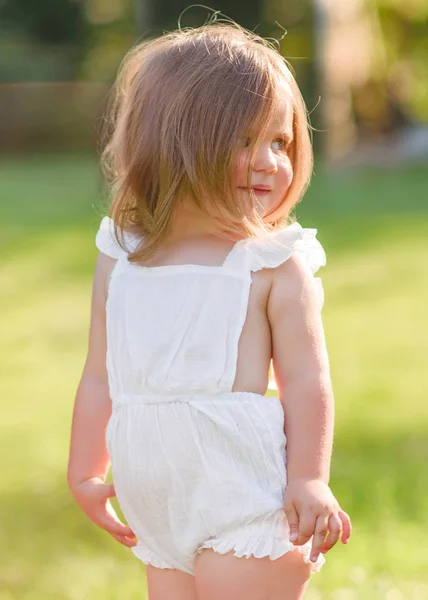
(202, 279)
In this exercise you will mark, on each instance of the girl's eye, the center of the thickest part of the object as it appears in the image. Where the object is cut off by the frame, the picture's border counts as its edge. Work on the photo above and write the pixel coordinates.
(282, 143)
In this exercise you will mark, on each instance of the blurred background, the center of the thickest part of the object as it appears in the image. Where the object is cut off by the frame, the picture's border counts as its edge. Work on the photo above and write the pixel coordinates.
(362, 66)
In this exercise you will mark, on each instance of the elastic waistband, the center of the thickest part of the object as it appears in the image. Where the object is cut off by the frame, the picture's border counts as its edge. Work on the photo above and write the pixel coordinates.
(135, 399)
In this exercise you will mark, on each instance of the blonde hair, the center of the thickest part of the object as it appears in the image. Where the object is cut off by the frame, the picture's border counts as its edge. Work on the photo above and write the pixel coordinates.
(181, 104)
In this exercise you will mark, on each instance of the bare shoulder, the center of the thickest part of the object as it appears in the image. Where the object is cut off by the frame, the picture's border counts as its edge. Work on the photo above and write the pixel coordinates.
(292, 283)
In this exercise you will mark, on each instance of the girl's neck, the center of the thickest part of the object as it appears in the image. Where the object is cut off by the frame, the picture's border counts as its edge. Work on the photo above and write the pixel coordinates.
(188, 221)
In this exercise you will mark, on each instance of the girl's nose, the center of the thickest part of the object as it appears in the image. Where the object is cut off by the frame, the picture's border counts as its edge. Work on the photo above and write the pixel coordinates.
(265, 160)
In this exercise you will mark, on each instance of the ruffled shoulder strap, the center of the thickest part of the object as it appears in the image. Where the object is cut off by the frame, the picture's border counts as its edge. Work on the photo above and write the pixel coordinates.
(276, 247)
(106, 242)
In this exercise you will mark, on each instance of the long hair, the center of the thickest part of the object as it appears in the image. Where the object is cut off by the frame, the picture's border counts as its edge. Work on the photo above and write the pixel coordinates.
(180, 105)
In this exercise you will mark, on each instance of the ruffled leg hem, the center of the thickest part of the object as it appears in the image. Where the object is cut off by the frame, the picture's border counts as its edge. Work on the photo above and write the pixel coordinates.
(261, 546)
(148, 557)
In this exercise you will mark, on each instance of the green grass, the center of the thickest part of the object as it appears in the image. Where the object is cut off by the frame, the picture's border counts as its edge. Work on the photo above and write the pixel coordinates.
(374, 227)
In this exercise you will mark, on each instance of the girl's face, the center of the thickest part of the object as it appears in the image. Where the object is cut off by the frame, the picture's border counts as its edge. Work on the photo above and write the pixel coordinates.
(272, 172)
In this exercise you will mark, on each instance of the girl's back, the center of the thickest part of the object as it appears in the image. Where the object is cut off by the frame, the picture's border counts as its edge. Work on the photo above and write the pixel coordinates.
(197, 328)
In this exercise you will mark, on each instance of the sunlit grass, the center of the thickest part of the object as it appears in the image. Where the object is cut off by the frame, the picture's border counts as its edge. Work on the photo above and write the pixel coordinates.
(376, 290)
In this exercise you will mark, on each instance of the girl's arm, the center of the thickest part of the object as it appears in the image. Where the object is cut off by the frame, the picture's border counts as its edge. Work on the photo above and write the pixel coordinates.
(302, 374)
(89, 460)
(301, 370)
(92, 408)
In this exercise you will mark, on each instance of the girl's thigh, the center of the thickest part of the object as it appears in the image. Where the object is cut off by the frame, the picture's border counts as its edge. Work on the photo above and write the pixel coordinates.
(170, 584)
(228, 577)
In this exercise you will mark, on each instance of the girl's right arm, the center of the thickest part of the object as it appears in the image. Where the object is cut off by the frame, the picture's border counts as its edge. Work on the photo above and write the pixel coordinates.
(89, 461)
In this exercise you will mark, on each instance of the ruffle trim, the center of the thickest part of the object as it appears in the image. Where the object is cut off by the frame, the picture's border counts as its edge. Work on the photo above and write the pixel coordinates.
(261, 546)
(106, 242)
(277, 247)
(148, 557)
(269, 252)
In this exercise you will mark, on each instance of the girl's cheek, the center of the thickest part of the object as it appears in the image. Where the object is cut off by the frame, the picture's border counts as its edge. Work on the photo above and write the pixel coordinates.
(283, 185)
(288, 173)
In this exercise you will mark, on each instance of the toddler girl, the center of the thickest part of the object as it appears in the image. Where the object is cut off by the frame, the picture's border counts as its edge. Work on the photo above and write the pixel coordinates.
(201, 281)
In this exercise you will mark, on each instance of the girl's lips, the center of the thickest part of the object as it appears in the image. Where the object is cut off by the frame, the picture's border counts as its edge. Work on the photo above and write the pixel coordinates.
(258, 191)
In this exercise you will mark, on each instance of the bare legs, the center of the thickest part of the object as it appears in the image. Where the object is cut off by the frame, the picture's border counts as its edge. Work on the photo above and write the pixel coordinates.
(228, 577)
(170, 584)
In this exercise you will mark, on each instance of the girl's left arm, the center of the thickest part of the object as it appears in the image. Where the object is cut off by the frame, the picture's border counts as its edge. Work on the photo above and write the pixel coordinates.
(302, 373)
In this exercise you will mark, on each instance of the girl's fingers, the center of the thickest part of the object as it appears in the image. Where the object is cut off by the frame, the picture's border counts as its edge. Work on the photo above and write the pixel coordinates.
(102, 490)
(306, 527)
(293, 521)
(109, 490)
(116, 527)
(111, 519)
(126, 541)
(334, 529)
(321, 528)
(346, 526)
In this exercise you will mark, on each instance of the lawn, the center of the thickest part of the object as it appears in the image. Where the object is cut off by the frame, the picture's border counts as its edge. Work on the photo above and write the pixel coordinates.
(374, 227)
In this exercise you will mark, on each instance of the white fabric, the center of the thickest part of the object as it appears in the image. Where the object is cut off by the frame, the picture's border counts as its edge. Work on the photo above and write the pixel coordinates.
(107, 243)
(195, 465)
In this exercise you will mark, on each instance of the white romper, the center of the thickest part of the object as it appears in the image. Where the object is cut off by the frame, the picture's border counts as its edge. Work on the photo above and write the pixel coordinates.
(194, 464)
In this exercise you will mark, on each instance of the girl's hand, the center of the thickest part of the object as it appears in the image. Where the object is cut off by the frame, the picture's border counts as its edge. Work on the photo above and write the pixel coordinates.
(92, 495)
(311, 509)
